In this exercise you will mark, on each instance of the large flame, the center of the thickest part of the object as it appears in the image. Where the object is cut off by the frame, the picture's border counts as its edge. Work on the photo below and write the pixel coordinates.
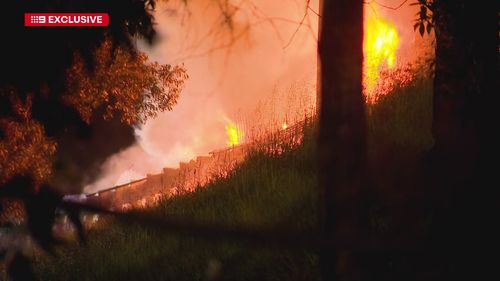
(234, 133)
(381, 42)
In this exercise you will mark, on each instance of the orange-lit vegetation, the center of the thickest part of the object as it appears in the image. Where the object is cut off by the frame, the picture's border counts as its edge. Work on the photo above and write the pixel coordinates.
(281, 174)
(24, 148)
(123, 84)
(394, 170)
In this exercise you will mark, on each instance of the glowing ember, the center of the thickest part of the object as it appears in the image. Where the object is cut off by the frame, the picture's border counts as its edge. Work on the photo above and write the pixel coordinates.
(284, 126)
(234, 134)
(381, 42)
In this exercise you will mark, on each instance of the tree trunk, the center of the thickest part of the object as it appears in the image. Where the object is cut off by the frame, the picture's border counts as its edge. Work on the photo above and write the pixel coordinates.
(465, 130)
(341, 140)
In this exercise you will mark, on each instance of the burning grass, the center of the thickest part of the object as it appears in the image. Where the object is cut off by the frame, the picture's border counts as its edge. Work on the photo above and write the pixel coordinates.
(268, 189)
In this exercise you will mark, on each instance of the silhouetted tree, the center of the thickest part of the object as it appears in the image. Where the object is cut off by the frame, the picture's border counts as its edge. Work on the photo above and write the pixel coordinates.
(68, 100)
(341, 140)
(465, 132)
(77, 76)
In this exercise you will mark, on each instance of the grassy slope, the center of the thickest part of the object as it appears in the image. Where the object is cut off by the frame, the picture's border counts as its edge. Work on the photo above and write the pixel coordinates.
(265, 190)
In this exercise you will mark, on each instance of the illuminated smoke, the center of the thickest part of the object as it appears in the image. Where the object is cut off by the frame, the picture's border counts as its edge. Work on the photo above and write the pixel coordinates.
(234, 68)
(252, 69)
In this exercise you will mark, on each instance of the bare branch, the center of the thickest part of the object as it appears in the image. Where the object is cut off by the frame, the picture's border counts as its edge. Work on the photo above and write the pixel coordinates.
(296, 31)
(312, 10)
(299, 26)
(386, 6)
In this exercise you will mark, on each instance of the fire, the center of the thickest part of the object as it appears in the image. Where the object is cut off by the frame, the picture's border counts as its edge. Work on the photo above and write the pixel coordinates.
(284, 126)
(381, 42)
(234, 133)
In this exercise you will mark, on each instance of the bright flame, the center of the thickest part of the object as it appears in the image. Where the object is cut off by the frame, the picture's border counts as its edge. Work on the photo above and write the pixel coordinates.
(284, 126)
(381, 42)
(234, 134)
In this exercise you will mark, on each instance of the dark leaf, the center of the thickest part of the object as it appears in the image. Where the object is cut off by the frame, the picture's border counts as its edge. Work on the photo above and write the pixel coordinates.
(423, 13)
(429, 28)
(421, 29)
(415, 26)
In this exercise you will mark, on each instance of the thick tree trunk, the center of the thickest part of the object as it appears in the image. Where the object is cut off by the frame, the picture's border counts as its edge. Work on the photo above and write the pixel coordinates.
(341, 140)
(465, 128)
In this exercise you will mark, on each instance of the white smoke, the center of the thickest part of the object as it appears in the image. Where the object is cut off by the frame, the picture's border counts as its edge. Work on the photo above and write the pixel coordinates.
(233, 67)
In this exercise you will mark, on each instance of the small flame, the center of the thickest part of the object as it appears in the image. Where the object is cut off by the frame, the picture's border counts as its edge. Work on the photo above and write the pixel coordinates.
(234, 134)
(284, 126)
(381, 42)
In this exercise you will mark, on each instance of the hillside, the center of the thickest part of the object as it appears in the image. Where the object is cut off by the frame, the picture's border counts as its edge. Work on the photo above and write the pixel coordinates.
(268, 189)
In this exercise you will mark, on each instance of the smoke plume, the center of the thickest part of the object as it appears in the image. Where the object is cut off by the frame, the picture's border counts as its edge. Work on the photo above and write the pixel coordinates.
(240, 55)
(252, 62)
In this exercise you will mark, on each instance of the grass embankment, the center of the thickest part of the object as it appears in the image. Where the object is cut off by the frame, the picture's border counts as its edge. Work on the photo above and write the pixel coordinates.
(266, 190)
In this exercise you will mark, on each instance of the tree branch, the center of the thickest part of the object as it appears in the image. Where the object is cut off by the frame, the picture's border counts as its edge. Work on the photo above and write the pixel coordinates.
(386, 6)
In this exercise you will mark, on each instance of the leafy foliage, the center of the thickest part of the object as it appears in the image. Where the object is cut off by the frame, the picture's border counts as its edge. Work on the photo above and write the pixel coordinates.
(424, 21)
(122, 83)
(24, 147)
(76, 78)
(37, 108)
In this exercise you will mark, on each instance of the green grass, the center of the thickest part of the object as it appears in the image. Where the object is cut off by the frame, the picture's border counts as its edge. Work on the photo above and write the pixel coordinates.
(266, 190)
(403, 118)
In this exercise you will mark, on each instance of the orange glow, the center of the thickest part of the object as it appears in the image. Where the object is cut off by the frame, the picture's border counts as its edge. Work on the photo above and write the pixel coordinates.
(381, 42)
(234, 133)
(284, 126)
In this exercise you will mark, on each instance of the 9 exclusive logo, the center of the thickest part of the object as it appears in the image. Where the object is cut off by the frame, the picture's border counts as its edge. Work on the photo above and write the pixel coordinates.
(66, 19)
